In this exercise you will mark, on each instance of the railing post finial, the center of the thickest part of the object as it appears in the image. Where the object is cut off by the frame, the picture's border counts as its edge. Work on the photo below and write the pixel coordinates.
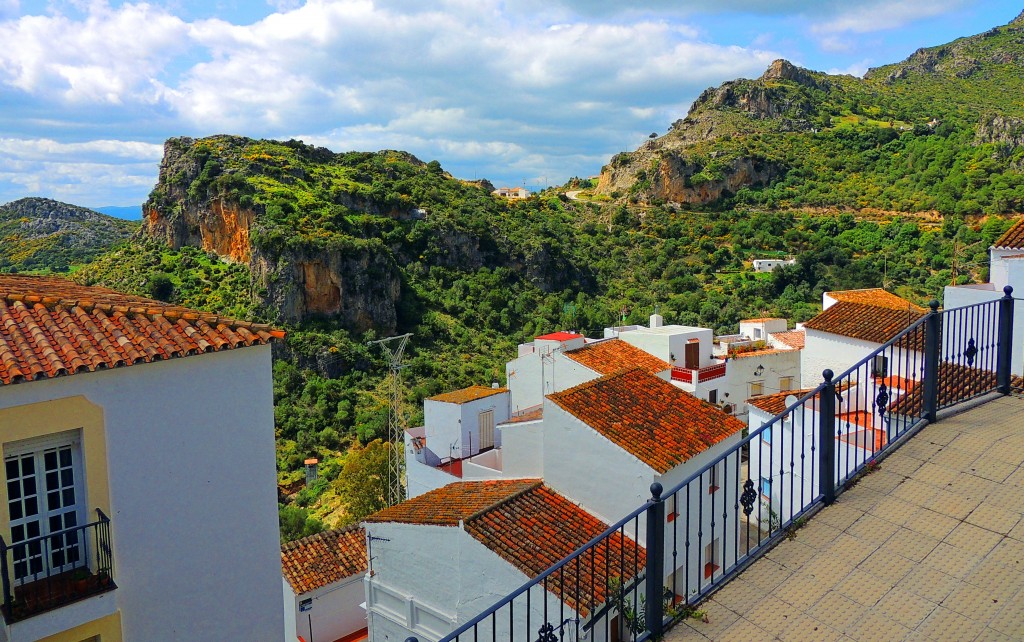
(826, 438)
(1008, 291)
(827, 374)
(1004, 354)
(656, 490)
(934, 305)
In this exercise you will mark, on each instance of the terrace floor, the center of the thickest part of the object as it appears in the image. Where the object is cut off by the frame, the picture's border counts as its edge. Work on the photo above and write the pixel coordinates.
(929, 546)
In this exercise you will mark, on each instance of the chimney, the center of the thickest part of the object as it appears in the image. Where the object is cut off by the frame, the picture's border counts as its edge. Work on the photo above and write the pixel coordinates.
(657, 320)
(495, 385)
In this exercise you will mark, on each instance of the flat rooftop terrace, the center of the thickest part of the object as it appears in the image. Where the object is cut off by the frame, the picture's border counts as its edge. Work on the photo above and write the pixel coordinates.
(927, 546)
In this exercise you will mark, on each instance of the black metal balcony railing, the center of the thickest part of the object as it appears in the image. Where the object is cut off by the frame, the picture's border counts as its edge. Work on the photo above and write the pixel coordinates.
(56, 569)
(735, 508)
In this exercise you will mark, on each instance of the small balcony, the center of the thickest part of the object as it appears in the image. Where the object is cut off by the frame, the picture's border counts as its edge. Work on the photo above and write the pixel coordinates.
(690, 375)
(53, 570)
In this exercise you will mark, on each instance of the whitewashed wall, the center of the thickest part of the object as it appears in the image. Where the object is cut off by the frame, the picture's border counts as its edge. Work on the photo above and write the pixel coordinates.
(335, 613)
(190, 446)
(522, 452)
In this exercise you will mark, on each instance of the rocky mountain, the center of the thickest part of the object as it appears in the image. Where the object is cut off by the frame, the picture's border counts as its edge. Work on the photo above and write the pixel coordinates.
(796, 137)
(330, 235)
(39, 233)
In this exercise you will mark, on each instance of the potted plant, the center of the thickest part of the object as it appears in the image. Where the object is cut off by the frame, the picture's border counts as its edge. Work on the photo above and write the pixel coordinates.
(80, 577)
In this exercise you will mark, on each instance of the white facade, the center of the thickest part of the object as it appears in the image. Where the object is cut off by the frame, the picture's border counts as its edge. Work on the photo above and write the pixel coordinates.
(753, 374)
(767, 265)
(426, 580)
(1003, 271)
(335, 610)
(455, 430)
(668, 343)
(191, 474)
(541, 368)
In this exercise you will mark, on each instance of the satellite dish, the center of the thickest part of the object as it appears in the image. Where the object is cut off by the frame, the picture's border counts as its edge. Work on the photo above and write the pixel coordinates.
(790, 400)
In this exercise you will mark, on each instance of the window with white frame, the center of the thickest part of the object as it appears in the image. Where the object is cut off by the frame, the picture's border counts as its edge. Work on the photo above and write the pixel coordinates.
(45, 502)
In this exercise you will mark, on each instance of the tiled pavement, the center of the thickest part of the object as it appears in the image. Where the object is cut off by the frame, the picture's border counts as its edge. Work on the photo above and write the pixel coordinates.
(928, 547)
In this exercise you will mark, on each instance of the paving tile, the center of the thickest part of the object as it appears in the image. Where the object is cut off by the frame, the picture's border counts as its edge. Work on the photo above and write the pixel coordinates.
(946, 624)
(991, 635)
(929, 583)
(772, 614)
(745, 630)
(863, 588)
(893, 510)
(877, 627)
(1010, 619)
(973, 539)
(1009, 552)
(951, 560)
(740, 595)
(872, 528)
(970, 442)
(994, 518)
(992, 469)
(953, 505)
(883, 480)
(864, 499)
(915, 492)
(804, 628)
(902, 464)
(913, 545)
(802, 590)
(887, 566)
(792, 554)
(838, 610)
(972, 486)
(827, 569)
(817, 535)
(1008, 497)
(935, 475)
(767, 574)
(905, 607)
(974, 602)
(1001, 581)
(852, 550)
(954, 459)
(717, 619)
(839, 515)
(928, 522)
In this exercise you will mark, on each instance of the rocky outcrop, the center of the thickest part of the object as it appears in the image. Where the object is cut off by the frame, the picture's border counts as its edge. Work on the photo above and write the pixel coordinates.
(357, 284)
(679, 180)
(1000, 130)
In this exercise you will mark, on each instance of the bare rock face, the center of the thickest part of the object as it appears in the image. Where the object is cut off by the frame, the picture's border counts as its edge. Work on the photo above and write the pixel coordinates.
(359, 285)
(1000, 130)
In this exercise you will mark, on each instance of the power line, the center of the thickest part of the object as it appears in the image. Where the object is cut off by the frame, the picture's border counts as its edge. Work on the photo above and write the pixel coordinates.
(396, 458)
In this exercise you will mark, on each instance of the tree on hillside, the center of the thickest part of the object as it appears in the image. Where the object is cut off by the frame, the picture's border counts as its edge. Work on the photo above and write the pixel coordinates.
(362, 484)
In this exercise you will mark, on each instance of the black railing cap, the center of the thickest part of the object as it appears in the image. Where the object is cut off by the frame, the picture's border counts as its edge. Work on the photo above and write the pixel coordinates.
(827, 374)
(656, 490)
(1008, 290)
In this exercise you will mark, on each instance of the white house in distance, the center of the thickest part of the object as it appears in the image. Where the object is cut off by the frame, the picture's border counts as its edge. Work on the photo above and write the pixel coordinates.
(768, 265)
(512, 193)
(138, 443)
(439, 559)
(1006, 267)
(608, 440)
(323, 586)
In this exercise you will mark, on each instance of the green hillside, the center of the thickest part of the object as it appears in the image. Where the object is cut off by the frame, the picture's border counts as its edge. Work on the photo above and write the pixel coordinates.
(47, 235)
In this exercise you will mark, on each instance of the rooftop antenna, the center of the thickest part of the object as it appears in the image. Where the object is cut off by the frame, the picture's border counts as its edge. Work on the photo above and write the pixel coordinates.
(393, 348)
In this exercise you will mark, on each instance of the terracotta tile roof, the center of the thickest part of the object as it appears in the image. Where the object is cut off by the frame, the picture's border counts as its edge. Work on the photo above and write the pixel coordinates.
(51, 327)
(956, 382)
(648, 417)
(1013, 239)
(792, 338)
(758, 353)
(876, 297)
(606, 357)
(775, 403)
(866, 322)
(449, 505)
(536, 529)
(529, 415)
(318, 560)
(761, 320)
(466, 395)
(560, 336)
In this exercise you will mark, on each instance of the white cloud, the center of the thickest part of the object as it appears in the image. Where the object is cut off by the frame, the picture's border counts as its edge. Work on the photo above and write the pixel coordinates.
(868, 17)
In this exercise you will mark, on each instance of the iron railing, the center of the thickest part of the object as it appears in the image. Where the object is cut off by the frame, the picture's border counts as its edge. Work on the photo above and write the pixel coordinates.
(697, 535)
(55, 569)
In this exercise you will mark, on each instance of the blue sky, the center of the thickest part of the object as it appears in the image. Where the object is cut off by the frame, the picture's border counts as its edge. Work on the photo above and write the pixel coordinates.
(516, 91)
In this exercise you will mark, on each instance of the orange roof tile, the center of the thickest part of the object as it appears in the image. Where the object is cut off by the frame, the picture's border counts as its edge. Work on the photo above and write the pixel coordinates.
(646, 416)
(536, 529)
(792, 338)
(876, 297)
(758, 353)
(453, 503)
(529, 415)
(318, 560)
(956, 382)
(51, 327)
(606, 357)
(1013, 239)
(775, 403)
(466, 395)
(866, 322)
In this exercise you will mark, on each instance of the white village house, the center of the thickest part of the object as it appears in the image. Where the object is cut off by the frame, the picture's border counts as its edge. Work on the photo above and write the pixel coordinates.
(138, 445)
(323, 586)
(438, 559)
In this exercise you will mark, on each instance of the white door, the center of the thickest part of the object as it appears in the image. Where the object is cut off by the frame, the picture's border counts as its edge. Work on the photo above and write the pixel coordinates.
(43, 497)
(486, 422)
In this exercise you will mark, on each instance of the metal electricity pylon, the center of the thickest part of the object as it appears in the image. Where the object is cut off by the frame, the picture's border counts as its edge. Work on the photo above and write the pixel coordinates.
(396, 459)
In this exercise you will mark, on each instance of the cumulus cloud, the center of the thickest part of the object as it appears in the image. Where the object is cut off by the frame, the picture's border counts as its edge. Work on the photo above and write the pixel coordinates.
(868, 17)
